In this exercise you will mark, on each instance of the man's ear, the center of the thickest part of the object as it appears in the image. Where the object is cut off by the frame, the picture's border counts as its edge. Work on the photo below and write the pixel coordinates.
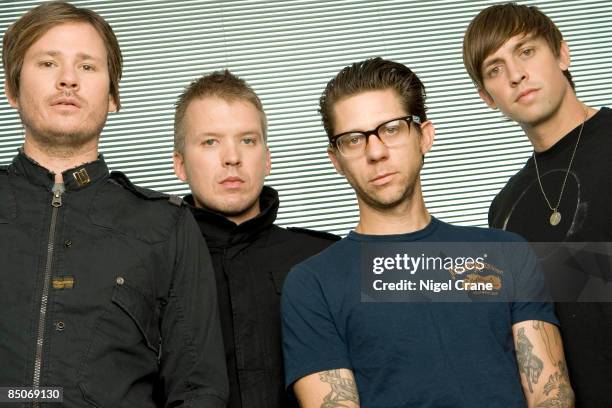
(484, 95)
(12, 100)
(428, 133)
(268, 161)
(564, 56)
(331, 153)
(112, 104)
(179, 166)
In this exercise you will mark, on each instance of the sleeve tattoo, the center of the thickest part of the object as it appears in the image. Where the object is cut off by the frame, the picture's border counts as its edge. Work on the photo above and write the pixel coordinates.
(557, 389)
(564, 396)
(343, 390)
(529, 364)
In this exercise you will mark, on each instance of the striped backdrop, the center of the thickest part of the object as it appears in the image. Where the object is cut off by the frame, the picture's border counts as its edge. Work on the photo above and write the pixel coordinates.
(288, 50)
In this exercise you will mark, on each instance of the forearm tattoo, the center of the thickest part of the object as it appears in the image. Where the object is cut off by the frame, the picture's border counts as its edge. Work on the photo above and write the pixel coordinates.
(343, 390)
(529, 364)
(550, 338)
(558, 389)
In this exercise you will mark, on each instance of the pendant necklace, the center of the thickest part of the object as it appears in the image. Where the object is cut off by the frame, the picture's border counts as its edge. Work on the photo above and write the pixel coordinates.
(555, 217)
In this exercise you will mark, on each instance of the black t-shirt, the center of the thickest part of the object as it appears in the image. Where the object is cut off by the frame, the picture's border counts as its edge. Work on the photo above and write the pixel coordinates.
(586, 211)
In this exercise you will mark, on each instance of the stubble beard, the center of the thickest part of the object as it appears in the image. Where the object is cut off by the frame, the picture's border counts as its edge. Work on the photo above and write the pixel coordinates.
(63, 143)
(405, 195)
(230, 210)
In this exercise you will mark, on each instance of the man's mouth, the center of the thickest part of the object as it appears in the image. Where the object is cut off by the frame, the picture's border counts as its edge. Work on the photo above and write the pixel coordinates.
(66, 102)
(526, 95)
(382, 178)
(232, 182)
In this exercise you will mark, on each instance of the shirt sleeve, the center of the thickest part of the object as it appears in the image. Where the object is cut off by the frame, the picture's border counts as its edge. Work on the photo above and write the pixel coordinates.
(192, 363)
(531, 298)
(312, 341)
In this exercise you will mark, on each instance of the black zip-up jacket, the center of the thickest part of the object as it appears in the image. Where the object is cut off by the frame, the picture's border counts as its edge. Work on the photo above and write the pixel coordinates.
(251, 261)
(107, 291)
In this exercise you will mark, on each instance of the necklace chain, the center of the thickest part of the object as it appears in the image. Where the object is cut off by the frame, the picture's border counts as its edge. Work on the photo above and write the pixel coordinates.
(535, 161)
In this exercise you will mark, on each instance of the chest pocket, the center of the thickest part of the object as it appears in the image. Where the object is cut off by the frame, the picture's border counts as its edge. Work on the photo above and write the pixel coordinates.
(126, 336)
(142, 311)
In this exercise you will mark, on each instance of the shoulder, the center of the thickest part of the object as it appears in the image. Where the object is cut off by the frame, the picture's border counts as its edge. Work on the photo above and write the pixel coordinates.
(507, 196)
(313, 234)
(327, 264)
(477, 234)
(3, 172)
(297, 244)
(120, 179)
(8, 205)
(599, 130)
(135, 211)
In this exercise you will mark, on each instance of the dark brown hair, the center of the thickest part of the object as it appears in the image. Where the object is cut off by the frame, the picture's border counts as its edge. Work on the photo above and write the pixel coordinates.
(24, 32)
(372, 75)
(220, 84)
(495, 25)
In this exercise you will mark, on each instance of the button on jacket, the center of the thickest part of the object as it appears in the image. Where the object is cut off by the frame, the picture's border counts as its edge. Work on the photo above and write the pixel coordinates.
(107, 291)
(251, 261)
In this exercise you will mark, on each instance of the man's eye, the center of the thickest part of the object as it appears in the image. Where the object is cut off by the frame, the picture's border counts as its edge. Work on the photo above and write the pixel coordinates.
(352, 140)
(88, 67)
(528, 52)
(493, 71)
(390, 130)
(46, 64)
(210, 142)
(249, 140)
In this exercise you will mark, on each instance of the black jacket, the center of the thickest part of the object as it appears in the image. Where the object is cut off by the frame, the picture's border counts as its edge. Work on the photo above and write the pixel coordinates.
(106, 290)
(251, 261)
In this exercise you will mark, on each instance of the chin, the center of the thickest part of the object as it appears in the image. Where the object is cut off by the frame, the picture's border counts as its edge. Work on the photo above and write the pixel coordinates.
(388, 201)
(232, 208)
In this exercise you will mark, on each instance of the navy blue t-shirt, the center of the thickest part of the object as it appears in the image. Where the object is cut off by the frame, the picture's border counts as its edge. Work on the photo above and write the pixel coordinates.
(406, 354)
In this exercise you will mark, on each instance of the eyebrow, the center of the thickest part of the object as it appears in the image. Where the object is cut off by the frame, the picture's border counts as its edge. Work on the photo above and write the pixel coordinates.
(516, 46)
(251, 132)
(80, 55)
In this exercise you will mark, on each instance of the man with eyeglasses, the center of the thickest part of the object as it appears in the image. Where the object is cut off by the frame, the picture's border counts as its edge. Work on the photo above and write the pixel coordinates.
(343, 351)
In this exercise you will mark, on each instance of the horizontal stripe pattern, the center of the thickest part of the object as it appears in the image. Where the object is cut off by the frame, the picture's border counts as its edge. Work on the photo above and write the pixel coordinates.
(288, 50)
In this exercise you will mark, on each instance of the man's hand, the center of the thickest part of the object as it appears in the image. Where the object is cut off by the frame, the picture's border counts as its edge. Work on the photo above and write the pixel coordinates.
(328, 389)
(544, 376)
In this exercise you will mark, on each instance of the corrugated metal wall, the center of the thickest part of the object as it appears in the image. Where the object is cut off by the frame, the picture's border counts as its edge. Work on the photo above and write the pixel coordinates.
(288, 50)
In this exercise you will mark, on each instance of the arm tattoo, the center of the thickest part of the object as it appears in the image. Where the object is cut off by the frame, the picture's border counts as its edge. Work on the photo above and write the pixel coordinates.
(558, 381)
(549, 338)
(343, 390)
(529, 364)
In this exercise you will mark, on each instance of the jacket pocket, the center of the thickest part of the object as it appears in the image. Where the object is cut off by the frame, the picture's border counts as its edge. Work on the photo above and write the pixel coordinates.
(121, 360)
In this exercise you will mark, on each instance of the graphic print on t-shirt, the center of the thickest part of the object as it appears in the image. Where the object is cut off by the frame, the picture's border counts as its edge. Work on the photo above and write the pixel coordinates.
(530, 215)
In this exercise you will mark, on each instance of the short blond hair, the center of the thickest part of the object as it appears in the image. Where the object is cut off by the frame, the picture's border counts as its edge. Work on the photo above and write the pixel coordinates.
(220, 84)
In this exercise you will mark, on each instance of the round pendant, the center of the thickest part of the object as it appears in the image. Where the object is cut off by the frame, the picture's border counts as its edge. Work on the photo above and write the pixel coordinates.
(555, 218)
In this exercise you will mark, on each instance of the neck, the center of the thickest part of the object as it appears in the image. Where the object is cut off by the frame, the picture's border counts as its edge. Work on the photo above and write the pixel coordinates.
(57, 160)
(409, 216)
(543, 135)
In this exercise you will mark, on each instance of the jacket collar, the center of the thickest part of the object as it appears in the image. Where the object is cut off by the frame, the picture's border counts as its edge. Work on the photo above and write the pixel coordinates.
(74, 179)
(221, 232)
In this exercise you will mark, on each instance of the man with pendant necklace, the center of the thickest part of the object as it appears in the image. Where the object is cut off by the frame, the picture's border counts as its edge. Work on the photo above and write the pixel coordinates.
(519, 62)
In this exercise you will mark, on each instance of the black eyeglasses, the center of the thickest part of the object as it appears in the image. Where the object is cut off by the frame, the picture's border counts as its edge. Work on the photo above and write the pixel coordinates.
(391, 133)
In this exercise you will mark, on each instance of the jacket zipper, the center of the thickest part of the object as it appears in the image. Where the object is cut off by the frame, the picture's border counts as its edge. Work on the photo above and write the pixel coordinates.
(56, 203)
